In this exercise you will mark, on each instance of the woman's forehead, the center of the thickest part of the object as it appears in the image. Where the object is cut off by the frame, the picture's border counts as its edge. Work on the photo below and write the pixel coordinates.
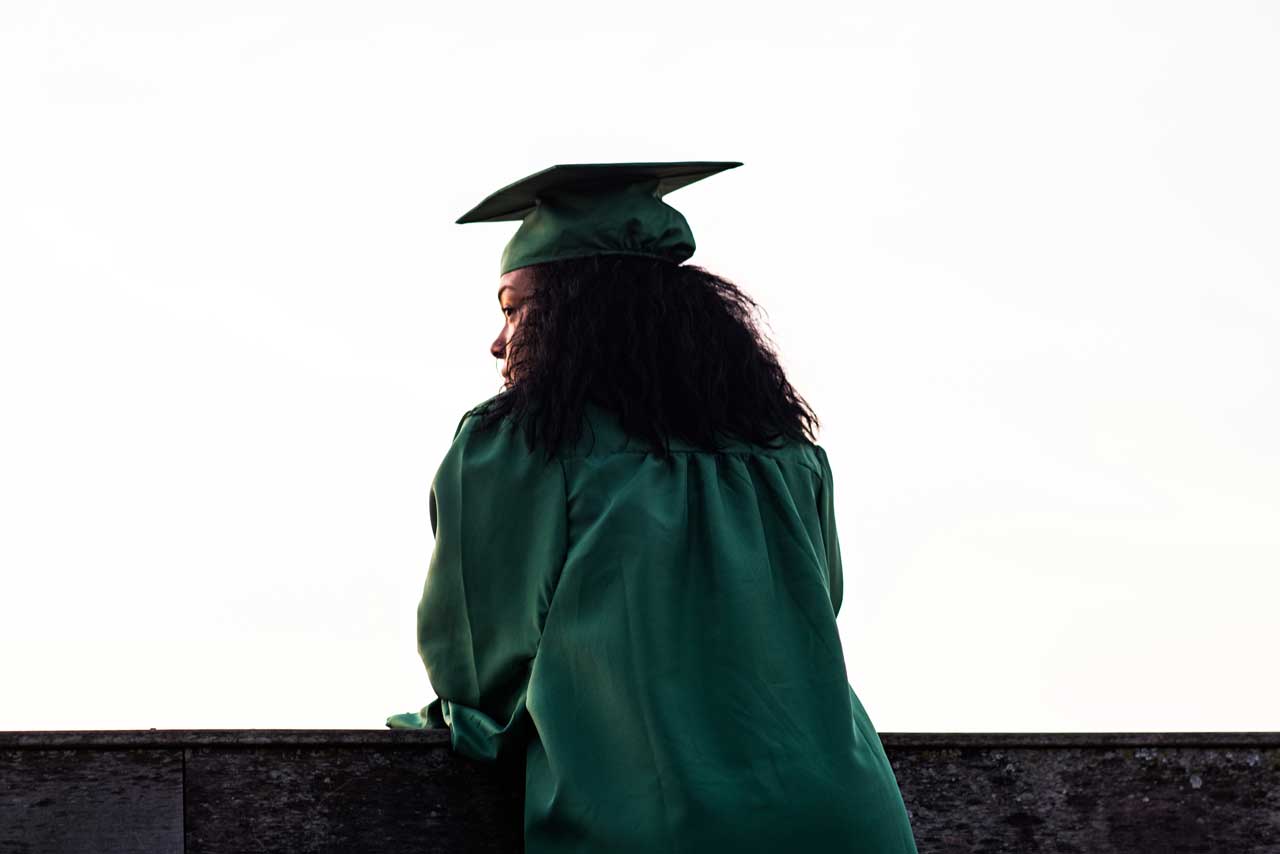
(518, 282)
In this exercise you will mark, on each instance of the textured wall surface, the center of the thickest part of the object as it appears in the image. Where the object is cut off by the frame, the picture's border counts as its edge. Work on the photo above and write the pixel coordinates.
(382, 791)
(1091, 793)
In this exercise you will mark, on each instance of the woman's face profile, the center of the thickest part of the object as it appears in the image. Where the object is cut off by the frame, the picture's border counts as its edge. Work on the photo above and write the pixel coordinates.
(514, 289)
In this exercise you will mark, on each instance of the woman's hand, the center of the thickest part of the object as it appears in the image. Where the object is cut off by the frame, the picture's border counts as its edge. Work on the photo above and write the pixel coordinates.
(430, 716)
(408, 720)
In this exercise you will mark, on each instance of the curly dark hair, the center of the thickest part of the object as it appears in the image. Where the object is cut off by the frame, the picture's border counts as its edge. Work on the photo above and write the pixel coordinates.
(672, 349)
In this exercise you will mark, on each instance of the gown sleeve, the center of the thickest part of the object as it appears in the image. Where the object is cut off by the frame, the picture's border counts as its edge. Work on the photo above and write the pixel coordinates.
(498, 513)
(830, 538)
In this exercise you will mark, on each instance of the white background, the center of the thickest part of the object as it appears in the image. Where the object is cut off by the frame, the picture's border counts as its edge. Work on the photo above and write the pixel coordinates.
(1020, 257)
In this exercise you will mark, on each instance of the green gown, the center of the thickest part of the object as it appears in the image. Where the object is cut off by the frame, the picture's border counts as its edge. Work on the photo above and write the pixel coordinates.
(659, 639)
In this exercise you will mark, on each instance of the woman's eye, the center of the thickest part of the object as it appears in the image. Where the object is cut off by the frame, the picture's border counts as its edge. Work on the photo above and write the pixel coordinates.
(507, 309)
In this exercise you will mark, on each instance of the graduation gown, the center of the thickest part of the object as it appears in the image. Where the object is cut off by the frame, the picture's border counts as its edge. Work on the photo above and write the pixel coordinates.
(658, 638)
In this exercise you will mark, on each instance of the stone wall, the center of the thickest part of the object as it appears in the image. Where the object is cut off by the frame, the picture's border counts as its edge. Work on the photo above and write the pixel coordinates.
(232, 792)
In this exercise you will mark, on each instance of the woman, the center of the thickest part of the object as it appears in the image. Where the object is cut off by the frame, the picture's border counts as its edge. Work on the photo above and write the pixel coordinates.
(636, 572)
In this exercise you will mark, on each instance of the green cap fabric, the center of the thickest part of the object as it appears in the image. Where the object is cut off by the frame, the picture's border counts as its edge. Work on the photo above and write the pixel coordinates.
(580, 209)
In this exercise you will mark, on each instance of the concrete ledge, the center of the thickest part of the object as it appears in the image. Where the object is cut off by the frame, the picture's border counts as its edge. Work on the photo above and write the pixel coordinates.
(356, 791)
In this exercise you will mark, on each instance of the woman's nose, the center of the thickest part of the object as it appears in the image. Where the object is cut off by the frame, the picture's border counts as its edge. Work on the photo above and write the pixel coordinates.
(499, 346)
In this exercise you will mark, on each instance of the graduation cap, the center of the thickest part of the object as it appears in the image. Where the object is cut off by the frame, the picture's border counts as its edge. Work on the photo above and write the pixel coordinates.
(581, 209)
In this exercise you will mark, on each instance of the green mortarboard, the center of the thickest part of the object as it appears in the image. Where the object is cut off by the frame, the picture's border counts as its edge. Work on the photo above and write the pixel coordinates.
(581, 209)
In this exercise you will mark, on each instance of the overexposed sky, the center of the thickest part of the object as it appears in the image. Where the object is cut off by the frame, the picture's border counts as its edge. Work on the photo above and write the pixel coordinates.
(1022, 259)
